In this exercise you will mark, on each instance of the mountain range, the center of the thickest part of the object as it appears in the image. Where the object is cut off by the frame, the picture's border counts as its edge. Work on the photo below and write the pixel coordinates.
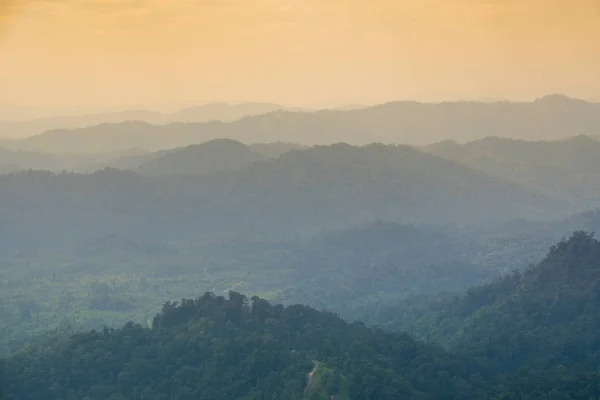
(302, 191)
(204, 113)
(549, 118)
(567, 169)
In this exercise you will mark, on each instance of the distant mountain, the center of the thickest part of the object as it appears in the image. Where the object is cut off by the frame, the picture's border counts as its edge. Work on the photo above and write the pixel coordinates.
(348, 107)
(23, 128)
(303, 191)
(568, 169)
(204, 113)
(212, 156)
(549, 118)
(224, 112)
(19, 160)
(337, 182)
(274, 150)
(133, 162)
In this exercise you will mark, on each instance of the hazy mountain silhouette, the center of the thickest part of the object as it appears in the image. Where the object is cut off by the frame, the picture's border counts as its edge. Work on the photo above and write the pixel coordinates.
(273, 150)
(549, 118)
(567, 169)
(212, 156)
(202, 113)
(303, 191)
(133, 162)
(18, 160)
(224, 112)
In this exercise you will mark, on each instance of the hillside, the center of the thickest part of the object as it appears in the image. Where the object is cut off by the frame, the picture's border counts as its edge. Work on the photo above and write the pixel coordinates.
(567, 169)
(352, 271)
(543, 317)
(212, 156)
(22, 160)
(217, 348)
(276, 149)
(549, 118)
(399, 183)
(359, 272)
(204, 113)
(300, 192)
(133, 162)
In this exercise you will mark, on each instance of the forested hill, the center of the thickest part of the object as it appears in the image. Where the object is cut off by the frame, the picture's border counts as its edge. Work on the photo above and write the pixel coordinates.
(212, 156)
(300, 192)
(549, 315)
(567, 169)
(215, 348)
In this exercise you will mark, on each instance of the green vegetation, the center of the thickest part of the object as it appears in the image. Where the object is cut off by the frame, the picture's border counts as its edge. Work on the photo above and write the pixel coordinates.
(216, 348)
(528, 335)
(539, 327)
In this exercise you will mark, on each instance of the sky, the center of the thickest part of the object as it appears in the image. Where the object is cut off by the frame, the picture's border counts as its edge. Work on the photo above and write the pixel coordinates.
(65, 53)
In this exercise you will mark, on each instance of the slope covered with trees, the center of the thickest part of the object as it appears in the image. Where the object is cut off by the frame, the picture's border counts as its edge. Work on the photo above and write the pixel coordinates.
(216, 348)
(544, 317)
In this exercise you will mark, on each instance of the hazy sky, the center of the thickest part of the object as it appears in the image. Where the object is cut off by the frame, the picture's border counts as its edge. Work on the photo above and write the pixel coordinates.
(299, 52)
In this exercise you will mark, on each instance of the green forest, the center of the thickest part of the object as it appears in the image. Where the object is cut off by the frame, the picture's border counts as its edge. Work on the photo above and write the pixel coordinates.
(527, 335)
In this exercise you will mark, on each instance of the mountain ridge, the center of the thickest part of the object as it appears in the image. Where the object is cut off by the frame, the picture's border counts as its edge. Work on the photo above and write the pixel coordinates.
(549, 118)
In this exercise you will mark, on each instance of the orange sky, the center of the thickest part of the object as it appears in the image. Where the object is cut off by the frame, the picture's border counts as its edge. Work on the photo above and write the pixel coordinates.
(299, 52)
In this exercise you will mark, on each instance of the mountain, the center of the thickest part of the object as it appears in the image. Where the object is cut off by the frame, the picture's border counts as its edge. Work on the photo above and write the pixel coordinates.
(301, 192)
(363, 273)
(133, 162)
(215, 348)
(212, 156)
(549, 118)
(19, 160)
(224, 112)
(352, 270)
(274, 150)
(334, 183)
(568, 169)
(203, 113)
(22, 128)
(226, 348)
(543, 317)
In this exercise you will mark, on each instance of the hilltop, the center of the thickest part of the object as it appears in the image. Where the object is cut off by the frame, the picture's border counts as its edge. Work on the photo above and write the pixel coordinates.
(222, 348)
(212, 156)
